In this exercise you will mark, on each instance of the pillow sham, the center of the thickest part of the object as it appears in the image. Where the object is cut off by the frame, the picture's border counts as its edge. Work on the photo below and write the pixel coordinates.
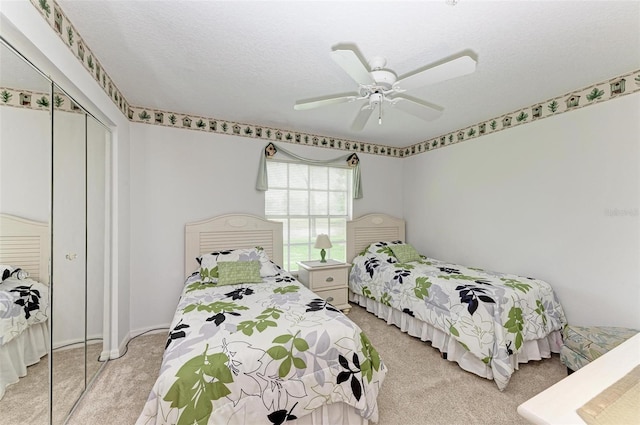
(382, 251)
(405, 253)
(267, 267)
(209, 262)
(5, 271)
(10, 271)
(232, 272)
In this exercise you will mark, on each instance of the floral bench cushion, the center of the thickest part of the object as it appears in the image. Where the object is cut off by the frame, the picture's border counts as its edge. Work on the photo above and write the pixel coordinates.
(583, 344)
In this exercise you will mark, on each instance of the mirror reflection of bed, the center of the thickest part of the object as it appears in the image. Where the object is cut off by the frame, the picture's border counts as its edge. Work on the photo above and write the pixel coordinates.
(24, 313)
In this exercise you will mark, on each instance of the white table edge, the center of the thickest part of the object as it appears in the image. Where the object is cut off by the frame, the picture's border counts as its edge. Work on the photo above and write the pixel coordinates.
(559, 403)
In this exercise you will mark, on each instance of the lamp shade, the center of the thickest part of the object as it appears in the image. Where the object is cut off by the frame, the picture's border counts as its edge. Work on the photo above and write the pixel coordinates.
(322, 241)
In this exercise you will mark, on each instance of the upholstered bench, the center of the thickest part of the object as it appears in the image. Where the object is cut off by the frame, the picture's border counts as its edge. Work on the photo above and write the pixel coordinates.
(583, 344)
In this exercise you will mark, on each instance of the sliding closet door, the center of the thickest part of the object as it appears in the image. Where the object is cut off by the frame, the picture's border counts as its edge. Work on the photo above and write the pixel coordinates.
(25, 191)
(69, 261)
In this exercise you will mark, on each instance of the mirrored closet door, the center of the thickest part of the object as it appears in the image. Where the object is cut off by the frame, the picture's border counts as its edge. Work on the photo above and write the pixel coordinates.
(81, 252)
(69, 258)
(25, 200)
(55, 162)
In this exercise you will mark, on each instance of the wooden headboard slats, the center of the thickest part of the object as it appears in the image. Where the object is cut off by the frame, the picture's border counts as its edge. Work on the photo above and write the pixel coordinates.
(369, 228)
(231, 231)
(215, 241)
(25, 243)
(365, 237)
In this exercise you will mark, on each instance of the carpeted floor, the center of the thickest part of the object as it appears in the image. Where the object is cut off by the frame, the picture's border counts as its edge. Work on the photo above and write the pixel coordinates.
(420, 388)
(27, 401)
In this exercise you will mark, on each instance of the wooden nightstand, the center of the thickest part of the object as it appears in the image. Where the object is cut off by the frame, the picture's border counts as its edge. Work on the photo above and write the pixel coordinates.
(330, 282)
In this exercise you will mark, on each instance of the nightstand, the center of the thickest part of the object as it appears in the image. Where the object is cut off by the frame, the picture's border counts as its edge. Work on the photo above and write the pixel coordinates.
(329, 281)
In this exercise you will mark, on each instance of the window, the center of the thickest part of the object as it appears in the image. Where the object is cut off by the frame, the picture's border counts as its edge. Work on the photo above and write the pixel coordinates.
(309, 200)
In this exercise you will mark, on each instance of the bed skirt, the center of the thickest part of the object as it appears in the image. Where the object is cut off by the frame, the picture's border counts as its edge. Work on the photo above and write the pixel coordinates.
(24, 350)
(531, 350)
(332, 414)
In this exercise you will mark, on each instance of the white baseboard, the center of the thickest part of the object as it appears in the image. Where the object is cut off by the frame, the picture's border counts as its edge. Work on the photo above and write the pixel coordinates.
(68, 344)
(118, 352)
(150, 330)
(121, 351)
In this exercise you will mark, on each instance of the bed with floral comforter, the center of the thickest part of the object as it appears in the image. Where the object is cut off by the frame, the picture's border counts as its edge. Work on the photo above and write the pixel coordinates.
(260, 353)
(491, 315)
(23, 302)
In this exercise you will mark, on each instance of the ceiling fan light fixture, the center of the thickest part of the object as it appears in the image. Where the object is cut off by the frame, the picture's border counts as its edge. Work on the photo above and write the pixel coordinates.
(375, 99)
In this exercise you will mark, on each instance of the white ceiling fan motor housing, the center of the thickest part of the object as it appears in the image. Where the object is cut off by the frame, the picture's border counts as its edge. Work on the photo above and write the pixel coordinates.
(384, 78)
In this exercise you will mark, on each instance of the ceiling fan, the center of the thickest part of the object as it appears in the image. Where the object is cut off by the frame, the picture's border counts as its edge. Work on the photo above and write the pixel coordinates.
(378, 85)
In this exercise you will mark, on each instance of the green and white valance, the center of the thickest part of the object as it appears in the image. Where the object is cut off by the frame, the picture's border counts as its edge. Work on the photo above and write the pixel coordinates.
(271, 150)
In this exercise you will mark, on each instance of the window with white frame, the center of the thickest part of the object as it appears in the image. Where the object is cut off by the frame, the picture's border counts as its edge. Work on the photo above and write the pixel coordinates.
(309, 200)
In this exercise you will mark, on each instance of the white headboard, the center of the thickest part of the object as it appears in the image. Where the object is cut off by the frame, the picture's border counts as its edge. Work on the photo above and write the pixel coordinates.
(25, 243)
(231, 231)
(370, 228)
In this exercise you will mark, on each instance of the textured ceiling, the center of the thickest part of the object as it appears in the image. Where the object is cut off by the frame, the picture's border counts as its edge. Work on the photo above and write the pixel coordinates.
(251, 61)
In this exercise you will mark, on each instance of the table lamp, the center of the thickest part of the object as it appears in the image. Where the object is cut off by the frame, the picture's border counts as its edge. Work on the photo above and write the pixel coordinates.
(322, 242)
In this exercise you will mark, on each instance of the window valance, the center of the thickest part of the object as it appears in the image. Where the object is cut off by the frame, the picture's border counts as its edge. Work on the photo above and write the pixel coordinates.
(271, 150)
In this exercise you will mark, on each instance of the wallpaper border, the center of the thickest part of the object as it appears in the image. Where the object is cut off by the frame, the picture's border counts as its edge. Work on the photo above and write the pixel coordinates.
(41, 101)
(593, 94)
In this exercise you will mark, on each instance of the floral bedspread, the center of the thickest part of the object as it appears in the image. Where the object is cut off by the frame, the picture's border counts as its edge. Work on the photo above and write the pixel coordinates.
(22, 303)
(490, 314)
(260, 353)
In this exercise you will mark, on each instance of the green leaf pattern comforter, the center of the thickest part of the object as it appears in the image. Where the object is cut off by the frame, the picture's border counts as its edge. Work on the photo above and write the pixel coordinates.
(490, 314)
(262, 353)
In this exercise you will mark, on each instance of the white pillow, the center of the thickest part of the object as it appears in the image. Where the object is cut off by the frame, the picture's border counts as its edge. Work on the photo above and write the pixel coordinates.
(382, 251)
(209, 262)
(10, 271)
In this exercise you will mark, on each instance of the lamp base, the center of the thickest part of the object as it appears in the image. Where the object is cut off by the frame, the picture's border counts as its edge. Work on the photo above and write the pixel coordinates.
(322, 254)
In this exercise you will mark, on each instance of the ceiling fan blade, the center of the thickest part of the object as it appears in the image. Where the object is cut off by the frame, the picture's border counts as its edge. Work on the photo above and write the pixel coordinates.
(362, 118)
(455, 68)
(352, 65)
(418, 108)
(304, 105)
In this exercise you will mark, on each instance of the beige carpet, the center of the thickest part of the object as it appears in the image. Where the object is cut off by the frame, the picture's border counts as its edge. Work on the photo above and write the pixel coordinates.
(27, 401)
(420, 388)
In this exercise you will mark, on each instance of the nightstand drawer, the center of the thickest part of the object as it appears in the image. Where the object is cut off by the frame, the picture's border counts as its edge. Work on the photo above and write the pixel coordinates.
(329, 282)
(330, 278)
(336, 297)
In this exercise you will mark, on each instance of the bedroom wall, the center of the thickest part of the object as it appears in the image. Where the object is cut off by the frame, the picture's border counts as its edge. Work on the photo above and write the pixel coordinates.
(25, 163)
(179, 176)
(557, 199)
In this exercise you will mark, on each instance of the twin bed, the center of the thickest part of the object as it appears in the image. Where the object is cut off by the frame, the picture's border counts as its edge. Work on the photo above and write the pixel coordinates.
(487, 322)
(249, 344)
(266, 352)
(24, 303)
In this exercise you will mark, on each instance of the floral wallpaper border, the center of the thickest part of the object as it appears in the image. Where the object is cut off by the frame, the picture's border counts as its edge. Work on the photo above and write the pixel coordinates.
(62, 26)
(596, 93)
(212, 125)
(37, 100)
(593, 94)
